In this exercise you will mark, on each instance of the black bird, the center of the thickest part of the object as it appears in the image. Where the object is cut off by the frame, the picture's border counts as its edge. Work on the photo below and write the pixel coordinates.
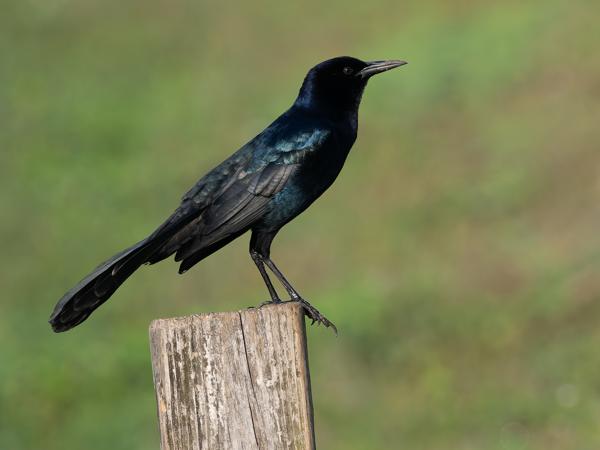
(261, 187)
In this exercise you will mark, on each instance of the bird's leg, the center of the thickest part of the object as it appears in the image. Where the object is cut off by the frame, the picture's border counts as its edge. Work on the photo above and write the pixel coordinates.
(286, 284)
(309, 309)
(261, 268)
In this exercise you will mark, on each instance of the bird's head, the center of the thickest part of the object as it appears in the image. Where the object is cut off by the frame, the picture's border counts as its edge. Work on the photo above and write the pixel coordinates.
(337, 84)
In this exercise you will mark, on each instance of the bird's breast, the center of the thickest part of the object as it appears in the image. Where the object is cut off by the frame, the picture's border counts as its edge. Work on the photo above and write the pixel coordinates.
(314, 174)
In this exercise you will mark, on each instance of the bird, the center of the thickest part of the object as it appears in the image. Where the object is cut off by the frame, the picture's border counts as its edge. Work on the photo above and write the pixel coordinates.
(260, 188)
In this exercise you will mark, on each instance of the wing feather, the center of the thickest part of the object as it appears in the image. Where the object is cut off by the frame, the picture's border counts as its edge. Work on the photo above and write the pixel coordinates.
(237, 193)
(239, 207)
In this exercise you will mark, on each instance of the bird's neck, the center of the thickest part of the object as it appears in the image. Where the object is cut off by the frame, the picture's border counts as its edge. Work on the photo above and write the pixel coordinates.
(328, 102)
(345, 121)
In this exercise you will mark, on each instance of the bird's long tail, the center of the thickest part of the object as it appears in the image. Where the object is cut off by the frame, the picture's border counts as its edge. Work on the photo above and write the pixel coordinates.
(77, 304)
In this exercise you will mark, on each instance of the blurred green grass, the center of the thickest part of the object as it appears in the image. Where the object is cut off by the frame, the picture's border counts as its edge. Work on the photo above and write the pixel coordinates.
(458, 253)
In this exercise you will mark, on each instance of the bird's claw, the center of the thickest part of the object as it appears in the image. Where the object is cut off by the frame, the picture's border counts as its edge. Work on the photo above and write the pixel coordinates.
(315, 316)
(309, 310)
(268, 302)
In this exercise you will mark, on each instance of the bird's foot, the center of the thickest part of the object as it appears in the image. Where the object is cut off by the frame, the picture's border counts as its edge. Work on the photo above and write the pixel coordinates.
(309, 310)
(268, 302)
(314, 315)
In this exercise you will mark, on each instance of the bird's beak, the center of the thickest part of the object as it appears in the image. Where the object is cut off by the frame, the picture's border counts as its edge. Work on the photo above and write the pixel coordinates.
(375, 67)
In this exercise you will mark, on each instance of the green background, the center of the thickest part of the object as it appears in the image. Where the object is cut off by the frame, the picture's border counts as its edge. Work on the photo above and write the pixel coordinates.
(458, 252)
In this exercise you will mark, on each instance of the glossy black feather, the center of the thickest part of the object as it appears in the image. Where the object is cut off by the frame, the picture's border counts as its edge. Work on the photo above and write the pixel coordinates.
(261, 187)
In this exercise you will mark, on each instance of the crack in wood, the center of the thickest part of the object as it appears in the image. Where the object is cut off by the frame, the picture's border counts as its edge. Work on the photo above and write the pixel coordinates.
(233, 380)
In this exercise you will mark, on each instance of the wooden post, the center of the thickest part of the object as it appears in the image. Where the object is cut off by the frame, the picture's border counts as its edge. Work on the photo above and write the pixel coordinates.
(235, 380)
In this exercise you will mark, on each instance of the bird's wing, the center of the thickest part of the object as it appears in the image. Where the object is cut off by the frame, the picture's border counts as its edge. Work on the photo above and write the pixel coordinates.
(246, 195)
(245, 200)
(208, 188)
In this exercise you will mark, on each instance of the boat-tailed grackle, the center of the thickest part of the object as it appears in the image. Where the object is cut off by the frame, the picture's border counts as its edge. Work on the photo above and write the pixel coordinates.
(261, 187)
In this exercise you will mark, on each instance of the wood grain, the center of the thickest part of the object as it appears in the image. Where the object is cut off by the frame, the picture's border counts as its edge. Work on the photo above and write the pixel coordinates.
(235, 380)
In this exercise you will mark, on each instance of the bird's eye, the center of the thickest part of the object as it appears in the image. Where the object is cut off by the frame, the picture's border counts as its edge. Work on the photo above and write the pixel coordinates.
(347, 70)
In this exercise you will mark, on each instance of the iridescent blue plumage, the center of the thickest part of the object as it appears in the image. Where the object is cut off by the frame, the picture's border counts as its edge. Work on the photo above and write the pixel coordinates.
(261, 187)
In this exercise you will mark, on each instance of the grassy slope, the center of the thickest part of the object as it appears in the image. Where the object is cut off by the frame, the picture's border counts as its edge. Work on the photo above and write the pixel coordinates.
(458, 253)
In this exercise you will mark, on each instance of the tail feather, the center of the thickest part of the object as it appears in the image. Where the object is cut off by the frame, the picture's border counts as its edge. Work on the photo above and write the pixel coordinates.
(77, 304)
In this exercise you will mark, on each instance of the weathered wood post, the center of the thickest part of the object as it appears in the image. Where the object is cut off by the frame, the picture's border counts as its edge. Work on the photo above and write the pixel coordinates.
(235, 380)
